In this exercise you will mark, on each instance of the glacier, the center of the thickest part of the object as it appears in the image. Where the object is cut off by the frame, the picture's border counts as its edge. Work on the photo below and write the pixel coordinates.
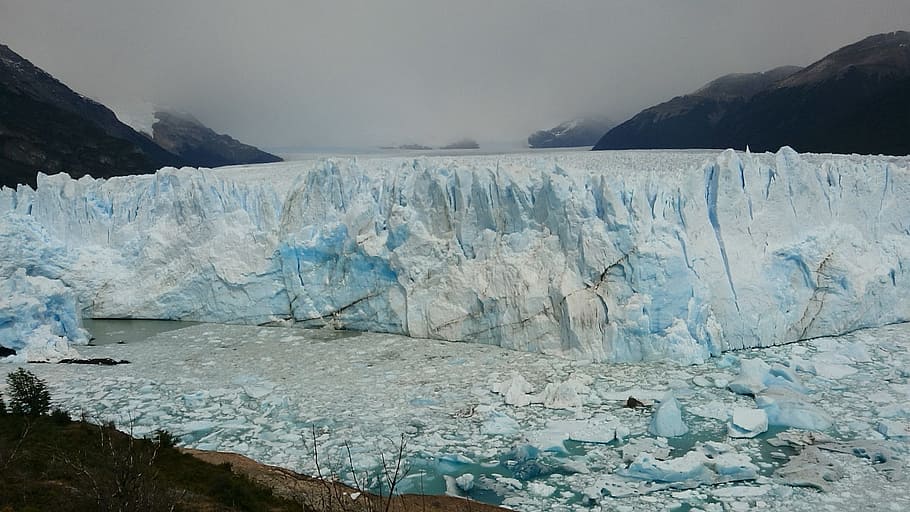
(607, 256)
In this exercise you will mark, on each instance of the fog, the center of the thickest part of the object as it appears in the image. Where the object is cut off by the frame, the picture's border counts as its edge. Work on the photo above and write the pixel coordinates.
(292, 73)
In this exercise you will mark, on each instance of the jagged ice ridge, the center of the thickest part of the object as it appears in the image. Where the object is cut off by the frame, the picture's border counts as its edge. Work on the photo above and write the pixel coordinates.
(610, 256)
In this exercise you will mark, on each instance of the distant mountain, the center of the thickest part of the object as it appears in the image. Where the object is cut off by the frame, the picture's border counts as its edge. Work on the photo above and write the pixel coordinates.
(462, 144)
(578, 132)
(408, 147)
(46, 126)
(199, 146)
(855, 100)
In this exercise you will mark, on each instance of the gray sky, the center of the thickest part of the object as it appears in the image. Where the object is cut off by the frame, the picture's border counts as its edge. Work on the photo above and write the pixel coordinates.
(358, 73)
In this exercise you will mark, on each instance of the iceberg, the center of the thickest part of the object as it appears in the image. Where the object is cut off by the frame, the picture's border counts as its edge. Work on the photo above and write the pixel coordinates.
(608, 256)
(707, 464)
(747, 423)
(666, 421)
(788, 409)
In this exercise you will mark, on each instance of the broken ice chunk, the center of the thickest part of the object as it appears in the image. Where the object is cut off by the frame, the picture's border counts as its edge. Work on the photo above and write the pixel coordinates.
(499, 424)
(811, 468)
(893, 429)
(465, 482)
(515, 390)
(570, 394)
(667, 419)
(747, 422)
(541, 489)
(734, 467)
(756, 376)
(688, 468)
(788, 409)
(593, 431)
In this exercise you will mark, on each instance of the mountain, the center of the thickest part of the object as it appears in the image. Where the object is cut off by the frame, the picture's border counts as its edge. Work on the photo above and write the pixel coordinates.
(578, 132)
(44, 125)
(199, 146)
(465, 143)
(854, 100)
(691, 121)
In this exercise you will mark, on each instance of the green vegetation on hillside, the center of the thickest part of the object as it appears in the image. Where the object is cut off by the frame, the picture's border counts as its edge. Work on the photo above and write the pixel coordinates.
(49, 462)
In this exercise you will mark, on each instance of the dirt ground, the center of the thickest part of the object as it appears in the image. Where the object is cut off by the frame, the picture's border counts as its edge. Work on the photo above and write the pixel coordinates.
(326, 496)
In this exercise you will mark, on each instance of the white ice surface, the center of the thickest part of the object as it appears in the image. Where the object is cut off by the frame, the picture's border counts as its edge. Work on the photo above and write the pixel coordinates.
(747, 422)
(604, 256)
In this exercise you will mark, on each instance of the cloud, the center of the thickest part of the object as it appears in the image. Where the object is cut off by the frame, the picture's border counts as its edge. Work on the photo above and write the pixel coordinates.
(359, 73)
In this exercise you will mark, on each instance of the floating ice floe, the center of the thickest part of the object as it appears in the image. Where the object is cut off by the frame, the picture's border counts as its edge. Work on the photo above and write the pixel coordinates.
(465, 482)
(786, 408)
(892, 429)
(812, 467)
(756, 375)
(747, 422)
(666, 421)
(499, 424)
(515, 390)
(570, 394)
(598, 430)
(778, 392)
(707, 464)
(715, 409)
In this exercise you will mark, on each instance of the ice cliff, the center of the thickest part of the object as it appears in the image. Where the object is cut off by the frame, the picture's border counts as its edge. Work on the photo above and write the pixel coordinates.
(611, 256)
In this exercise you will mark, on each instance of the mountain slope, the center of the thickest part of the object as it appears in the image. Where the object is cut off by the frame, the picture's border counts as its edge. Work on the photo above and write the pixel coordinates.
(199, 145)
(691, 121)
(575, 133)
(44, 125)
(40, 136)
(854, 100)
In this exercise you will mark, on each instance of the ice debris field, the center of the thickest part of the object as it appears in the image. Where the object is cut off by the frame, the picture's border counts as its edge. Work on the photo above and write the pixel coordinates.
(827, 428)
(664, 259)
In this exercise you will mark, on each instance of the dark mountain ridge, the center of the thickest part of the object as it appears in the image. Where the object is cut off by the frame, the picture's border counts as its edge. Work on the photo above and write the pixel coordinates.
(199, 146)
(692, 120)
(854, 100)
(46, 126)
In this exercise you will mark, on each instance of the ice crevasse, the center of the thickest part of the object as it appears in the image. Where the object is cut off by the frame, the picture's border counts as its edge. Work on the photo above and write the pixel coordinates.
(607, 256)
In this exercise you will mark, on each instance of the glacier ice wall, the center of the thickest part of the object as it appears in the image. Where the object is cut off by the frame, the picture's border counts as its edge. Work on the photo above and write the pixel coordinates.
(619, 256)
(38, 318)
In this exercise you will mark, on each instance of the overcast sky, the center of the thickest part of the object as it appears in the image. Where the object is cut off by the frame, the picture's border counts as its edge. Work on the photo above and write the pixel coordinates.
(359, 73)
